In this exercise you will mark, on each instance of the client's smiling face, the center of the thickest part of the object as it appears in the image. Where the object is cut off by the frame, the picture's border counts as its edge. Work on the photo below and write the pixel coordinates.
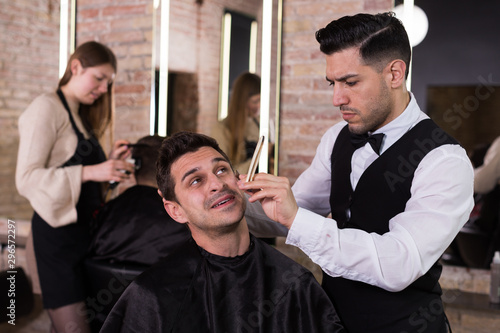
(209, 199)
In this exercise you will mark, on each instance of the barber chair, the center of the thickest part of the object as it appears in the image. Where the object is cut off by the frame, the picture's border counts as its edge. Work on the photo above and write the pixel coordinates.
(480, 236)
(473, 245)
(105, 282)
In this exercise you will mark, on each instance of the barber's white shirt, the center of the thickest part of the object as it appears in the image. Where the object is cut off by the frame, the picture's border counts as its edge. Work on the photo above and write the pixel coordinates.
(440, 204)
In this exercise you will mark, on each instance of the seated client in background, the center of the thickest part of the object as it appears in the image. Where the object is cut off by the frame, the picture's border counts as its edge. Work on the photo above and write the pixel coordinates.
(134, 227)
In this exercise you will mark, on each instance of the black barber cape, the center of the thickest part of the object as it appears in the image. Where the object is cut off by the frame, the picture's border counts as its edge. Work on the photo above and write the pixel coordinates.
(195, 291)
(135, 228)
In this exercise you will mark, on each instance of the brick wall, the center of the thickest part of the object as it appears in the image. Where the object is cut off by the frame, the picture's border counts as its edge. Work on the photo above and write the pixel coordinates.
(126, 27)
(306, 110)
(29, 44)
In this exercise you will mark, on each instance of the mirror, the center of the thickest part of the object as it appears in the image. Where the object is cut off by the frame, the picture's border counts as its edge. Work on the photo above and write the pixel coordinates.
(238, 53)
(186, 65)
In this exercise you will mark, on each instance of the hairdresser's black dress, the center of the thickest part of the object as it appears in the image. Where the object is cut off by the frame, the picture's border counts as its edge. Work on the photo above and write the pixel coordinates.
(60, 251)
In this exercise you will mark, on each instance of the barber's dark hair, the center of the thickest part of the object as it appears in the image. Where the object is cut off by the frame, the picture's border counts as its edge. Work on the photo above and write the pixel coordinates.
(172, 149)
(381, 38)
(145, 153)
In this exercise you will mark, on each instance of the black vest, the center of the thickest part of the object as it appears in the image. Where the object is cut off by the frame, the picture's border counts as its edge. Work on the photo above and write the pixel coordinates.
(382, 193)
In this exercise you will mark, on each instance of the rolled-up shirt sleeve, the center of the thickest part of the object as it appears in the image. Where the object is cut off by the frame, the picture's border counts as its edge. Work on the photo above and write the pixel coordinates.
(440, 204)
(52, 191)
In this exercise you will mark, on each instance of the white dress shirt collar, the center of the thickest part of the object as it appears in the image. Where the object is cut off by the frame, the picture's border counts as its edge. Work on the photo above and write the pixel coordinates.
(362, 158)
(403, 123)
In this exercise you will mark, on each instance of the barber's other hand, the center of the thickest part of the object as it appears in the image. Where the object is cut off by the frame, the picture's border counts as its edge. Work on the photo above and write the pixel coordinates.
(120, 150)
(111, 170)
(275, 195)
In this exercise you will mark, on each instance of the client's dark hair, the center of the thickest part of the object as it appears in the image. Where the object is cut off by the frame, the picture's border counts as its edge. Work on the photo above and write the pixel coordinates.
(380, 38)
(145, 153)
(173, 148)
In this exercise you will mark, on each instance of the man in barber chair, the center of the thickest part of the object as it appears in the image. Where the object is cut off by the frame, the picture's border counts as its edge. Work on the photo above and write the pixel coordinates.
(223, 279)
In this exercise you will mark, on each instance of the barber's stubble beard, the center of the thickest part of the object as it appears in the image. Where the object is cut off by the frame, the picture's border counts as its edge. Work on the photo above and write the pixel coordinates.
(377, 114)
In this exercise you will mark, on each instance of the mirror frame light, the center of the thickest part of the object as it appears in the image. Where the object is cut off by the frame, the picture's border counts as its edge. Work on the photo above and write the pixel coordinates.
(164, 6)
(67, 36)
(265, 98)
(224, 65)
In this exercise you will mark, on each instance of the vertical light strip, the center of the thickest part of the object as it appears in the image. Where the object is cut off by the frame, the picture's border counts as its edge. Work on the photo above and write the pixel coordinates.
(408, 7)
(154, 59)
(265, 88)
(72, 24)
(225, 55)
(163, 82)
(63, 36)
(252, 57)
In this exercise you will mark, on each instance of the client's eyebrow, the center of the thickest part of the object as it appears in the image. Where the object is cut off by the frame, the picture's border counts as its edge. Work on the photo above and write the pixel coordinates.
(193, 170)
(190, 172)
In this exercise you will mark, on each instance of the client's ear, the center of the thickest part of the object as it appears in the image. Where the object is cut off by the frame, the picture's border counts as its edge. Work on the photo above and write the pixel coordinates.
(175, 211)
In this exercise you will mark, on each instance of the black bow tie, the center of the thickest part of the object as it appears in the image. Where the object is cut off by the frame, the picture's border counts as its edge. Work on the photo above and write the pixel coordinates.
(375, 140)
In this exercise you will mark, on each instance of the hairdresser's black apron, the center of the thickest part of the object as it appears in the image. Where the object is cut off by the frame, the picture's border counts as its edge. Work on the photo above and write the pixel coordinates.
(60, 251)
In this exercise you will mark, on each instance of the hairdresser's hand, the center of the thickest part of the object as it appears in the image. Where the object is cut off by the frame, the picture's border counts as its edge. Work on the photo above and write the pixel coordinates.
(120, 150)
(275, 195)
(111, 170)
